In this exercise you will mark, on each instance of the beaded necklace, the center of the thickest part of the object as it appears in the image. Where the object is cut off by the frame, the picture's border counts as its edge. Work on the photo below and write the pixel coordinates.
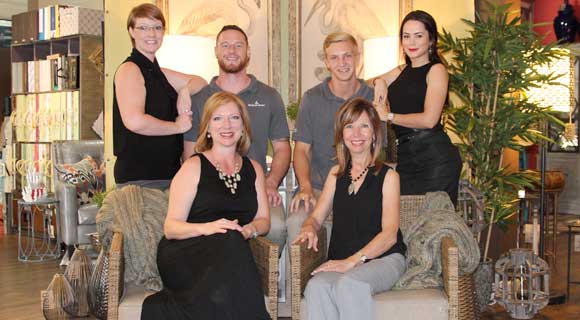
(230, 180)
(352, 181)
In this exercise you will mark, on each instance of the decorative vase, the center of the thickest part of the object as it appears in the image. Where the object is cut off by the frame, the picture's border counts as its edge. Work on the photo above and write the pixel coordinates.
(56, 298)
(483, 279)
(78, 274)
(565, 24)
(99, 286)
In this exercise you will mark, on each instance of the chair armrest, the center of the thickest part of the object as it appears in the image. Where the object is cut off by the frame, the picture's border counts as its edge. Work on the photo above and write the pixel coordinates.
(302, 263)
(450, 266)
(66, 194)
(459, 288)
(115, 276)
(266, 255)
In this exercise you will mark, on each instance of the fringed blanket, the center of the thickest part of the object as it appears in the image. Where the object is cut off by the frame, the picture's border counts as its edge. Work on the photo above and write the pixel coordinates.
(138, 213)
(437, 220)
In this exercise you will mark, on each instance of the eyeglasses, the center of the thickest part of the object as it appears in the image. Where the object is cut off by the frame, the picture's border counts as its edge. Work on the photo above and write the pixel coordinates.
(149, 28)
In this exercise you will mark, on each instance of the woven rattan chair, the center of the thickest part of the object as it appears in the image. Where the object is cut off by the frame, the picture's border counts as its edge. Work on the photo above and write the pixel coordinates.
(454, 301)
(265, 254)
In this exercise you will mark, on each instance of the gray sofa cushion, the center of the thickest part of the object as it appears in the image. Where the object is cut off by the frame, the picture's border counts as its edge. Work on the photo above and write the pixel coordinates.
(88, 213)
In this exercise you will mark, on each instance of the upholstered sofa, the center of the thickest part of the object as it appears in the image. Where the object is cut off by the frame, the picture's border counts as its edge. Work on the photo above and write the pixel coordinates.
(454, 301)
(75, 221)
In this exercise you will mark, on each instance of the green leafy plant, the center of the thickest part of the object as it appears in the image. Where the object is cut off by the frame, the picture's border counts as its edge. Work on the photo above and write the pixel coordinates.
(490, 72)
(99, 197)
(292, 110)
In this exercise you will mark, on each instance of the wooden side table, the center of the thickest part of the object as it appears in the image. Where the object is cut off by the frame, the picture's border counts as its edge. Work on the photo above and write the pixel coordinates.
(31, 249)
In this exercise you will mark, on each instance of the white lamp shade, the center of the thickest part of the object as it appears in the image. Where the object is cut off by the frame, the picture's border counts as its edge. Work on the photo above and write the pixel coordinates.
(559, 97)
(380, 55)
(189, 54)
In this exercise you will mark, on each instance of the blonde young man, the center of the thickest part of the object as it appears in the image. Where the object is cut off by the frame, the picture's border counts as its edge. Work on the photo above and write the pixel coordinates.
(314, 151)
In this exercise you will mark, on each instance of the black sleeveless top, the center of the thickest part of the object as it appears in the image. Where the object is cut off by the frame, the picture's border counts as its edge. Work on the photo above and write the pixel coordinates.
(214, 201)
(141, 157)
(407, 94)
(357, 218)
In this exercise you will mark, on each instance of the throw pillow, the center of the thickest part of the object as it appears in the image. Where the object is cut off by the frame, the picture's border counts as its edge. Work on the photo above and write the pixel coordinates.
(86, 175)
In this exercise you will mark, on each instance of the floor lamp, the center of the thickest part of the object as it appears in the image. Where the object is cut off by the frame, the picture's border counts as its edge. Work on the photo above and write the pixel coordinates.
(559, 98)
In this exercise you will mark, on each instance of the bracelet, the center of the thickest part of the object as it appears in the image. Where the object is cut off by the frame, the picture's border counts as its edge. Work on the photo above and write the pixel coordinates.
(390, 116)
(254, 235)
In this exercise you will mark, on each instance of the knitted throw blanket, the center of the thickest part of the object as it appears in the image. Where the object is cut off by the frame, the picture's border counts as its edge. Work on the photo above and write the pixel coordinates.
(138, 213)
(437, 219)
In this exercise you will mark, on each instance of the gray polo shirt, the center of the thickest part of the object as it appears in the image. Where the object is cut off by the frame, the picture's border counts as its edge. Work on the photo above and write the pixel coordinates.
(266, 110)
(315, 126)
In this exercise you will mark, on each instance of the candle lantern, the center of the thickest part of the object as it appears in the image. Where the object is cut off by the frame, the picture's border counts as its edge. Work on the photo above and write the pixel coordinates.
(522, 283)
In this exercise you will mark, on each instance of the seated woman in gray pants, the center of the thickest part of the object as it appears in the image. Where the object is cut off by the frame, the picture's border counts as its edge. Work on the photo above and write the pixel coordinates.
(366, 252)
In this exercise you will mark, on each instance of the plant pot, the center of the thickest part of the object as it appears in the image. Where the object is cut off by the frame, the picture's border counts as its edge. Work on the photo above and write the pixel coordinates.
(483, 279)
(554, 180)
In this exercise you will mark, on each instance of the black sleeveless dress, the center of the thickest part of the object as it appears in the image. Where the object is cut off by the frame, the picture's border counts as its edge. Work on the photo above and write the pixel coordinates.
(427, 160)
(357, 218)
(142, 157)
(211, 277)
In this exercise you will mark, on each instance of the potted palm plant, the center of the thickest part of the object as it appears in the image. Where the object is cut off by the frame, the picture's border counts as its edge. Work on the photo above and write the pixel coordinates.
(489, 73)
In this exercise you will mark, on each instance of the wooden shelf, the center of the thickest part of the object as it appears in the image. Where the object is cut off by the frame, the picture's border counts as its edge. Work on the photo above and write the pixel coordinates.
(90, 93)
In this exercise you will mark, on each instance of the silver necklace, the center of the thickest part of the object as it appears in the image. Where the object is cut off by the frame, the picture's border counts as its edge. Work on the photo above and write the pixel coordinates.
(352, 181)
(230, 180)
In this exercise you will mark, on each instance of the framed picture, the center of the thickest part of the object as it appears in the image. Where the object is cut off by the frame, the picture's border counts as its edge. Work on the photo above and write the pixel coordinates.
(311, 21)
(563, 142)
(260, 19)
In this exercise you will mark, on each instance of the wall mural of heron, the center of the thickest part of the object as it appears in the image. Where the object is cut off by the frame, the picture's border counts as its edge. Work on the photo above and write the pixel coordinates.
(205, 18)
(364, 19)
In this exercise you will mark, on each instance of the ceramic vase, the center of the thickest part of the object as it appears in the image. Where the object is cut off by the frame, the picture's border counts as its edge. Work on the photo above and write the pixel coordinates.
(483, 279)
(565, 24)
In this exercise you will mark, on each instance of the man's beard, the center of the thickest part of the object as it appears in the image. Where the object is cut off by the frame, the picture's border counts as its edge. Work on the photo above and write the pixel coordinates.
(233, 68)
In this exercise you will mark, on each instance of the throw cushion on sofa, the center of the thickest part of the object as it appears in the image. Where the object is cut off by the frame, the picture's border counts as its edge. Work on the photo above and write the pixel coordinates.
(86, 175)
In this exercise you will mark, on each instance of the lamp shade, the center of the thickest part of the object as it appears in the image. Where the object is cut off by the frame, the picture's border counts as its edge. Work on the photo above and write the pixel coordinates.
(558, 96)
(189, 54)
(380, 55)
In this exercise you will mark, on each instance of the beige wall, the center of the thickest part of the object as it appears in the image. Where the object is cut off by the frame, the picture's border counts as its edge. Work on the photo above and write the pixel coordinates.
(448, 13)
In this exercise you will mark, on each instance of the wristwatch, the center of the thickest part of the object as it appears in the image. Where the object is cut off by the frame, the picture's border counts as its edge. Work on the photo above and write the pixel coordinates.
(363, 258)
(390, 116)
(254, 235)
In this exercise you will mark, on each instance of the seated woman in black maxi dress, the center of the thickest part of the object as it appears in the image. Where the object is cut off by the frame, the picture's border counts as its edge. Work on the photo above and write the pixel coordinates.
(217, 201)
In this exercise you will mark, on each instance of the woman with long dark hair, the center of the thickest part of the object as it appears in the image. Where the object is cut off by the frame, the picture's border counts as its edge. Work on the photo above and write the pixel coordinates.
(415, 94)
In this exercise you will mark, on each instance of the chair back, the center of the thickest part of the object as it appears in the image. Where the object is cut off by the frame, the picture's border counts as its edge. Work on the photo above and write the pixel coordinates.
(409, 211)
(74, 151)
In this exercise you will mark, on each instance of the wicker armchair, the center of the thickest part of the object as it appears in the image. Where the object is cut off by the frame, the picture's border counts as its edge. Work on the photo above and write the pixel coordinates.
(454, 301)
(265, 254)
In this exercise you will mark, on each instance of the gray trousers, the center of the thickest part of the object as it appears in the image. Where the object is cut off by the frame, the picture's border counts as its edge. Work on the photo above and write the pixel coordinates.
(348, 296)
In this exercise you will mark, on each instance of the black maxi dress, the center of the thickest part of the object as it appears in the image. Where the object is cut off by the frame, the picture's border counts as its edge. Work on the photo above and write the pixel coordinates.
(211, 277)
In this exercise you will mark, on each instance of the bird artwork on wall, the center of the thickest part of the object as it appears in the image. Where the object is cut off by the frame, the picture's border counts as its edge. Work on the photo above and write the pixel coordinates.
(207, 18)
